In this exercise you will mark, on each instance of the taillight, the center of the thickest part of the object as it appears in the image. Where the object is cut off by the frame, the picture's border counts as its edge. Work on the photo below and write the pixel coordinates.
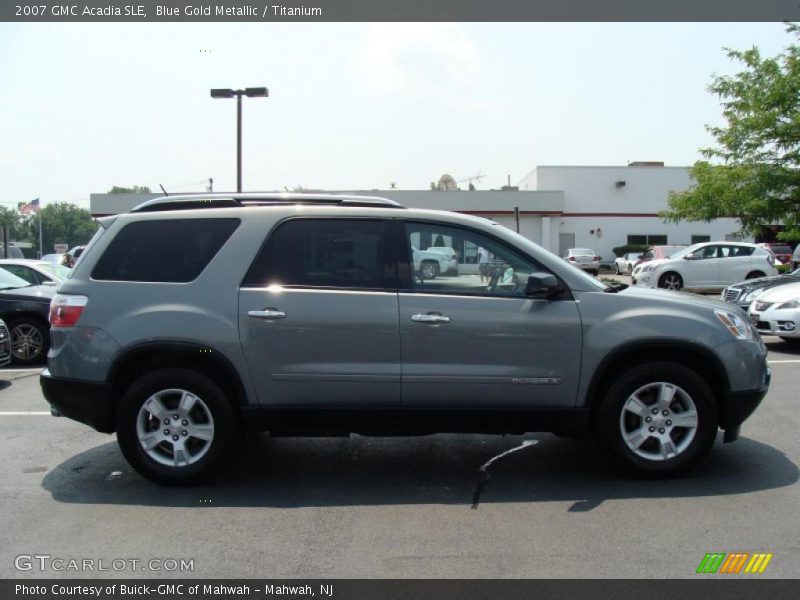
(572, 258)
(66, 310)
(596, 258)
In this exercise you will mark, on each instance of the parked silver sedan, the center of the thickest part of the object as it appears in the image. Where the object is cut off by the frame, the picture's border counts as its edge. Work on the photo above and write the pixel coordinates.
(583, 258)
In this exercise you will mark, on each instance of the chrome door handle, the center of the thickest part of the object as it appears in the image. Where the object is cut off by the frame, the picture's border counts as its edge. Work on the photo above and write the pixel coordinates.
(267, 313)
(430, 318)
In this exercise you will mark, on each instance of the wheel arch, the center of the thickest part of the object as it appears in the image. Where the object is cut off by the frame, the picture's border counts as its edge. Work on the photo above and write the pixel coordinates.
(698, 358)
(143, 358)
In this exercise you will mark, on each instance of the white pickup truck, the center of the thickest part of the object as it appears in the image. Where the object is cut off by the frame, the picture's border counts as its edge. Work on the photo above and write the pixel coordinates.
(429, 264)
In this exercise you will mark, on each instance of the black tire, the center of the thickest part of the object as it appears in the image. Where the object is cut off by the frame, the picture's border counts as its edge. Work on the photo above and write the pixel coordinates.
(670, 281)
(630, 269)
(25, 332)
(754, 275)
(617, 267)
(429, 269)
(224, 426)
(609, 422)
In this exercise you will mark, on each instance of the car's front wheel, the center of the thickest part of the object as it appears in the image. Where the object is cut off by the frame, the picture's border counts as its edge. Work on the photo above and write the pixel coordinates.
(670, 281)
(175, 426)
(658, 419)
(618, 269)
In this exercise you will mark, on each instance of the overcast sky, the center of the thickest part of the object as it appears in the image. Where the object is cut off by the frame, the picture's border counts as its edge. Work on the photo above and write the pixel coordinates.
(84, 107)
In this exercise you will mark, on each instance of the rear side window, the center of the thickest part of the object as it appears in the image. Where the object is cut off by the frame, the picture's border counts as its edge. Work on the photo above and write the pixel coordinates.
(168, 251)
(323, 253)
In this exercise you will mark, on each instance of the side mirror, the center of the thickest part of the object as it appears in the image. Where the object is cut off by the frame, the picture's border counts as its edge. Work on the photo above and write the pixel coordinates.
(542, 285)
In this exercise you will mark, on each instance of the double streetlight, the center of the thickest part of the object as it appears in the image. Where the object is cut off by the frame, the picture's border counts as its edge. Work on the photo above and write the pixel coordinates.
(254, 92)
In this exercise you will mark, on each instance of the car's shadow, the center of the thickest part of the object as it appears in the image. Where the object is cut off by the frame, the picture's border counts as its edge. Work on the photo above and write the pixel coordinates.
(775, 344)
(442, 469)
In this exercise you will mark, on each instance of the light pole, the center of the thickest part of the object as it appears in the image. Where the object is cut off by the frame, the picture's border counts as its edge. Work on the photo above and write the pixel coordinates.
(255, 92)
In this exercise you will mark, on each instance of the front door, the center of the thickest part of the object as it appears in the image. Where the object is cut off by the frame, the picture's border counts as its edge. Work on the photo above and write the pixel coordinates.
(476, 340)
(702, 268)
(318, 317)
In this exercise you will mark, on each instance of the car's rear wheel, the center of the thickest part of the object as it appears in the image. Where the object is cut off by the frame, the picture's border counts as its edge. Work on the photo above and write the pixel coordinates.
(658, 419)
(670, 281)
(30, 340)
(754, 275)
(175, 426)
(429, 270)
(618, 269)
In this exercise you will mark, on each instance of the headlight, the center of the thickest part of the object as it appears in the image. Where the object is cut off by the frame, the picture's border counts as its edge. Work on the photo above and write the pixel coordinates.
(792, 304)
(740, 328)
(649, 268)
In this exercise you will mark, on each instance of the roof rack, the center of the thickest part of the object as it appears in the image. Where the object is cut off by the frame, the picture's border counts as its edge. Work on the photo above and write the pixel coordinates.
(190, 202)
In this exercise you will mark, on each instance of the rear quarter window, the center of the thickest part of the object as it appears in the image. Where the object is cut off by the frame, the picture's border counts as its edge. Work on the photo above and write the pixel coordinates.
(166, 251)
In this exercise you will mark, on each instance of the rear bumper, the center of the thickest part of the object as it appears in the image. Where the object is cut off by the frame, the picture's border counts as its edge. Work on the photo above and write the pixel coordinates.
(88, 402)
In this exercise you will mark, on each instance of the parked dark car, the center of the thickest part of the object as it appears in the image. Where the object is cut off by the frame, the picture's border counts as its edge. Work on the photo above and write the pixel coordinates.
(783, 252)
(25, 309)
(744, 292)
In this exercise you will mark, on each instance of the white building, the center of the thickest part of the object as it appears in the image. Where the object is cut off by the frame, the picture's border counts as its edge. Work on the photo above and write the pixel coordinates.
(559, 207)
(605, 207)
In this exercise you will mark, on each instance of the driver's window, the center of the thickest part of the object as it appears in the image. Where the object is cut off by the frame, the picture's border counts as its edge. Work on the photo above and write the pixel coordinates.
(478, 264)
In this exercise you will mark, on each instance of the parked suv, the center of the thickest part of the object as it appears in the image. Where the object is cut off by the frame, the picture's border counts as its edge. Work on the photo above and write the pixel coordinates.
(188, 321)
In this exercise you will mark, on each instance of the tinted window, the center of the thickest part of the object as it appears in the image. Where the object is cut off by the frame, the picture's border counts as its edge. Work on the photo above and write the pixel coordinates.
(323, 253)
(172, 251)
(738, 250)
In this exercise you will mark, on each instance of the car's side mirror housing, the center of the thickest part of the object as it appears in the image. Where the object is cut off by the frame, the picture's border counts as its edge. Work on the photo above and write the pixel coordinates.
(542, 285)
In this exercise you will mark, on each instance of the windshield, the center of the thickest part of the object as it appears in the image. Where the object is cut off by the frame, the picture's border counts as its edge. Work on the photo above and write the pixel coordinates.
(582, 252)
(683, 252)
(59, 271)
(9, 281)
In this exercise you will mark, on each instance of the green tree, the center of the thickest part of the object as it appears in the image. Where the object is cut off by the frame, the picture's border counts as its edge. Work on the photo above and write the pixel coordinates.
(753, 171)
(62, 223)
(136, 189)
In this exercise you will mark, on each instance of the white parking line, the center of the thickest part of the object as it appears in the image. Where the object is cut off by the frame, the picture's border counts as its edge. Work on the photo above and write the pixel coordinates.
(39, 370)
(772, 362)
(24, 414)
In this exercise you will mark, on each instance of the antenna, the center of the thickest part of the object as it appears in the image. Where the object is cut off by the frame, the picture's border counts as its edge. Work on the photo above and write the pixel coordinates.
(163, 190)
(477, 177)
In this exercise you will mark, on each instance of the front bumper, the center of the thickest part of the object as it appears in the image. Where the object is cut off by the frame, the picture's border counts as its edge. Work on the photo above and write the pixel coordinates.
(88, 402)
(739, 407)
(782, 322)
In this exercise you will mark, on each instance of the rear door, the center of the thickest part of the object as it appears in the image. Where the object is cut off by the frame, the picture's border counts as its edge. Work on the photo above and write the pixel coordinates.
(318, 316)
(471, 343)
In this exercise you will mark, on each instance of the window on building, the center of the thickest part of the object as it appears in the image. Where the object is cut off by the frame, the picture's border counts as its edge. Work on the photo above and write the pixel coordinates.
(647, 240)
(699, 239)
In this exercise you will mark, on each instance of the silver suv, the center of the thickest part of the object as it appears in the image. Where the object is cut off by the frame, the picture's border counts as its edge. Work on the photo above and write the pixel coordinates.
(188, 321)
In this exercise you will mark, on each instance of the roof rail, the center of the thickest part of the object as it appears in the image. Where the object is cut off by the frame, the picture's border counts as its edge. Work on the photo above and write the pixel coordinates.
(190, 202)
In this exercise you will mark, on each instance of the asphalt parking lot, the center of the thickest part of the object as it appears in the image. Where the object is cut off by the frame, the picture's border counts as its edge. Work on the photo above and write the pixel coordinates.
(402, 507)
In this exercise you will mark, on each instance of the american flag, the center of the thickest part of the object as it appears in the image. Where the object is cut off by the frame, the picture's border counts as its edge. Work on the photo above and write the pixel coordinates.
(32, 206)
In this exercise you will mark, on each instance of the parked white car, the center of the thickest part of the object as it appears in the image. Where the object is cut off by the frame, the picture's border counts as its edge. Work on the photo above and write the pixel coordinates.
(777, 312)
(452, 260)
(710, 265)
(35, 272)
(429, 264)
(624, 264)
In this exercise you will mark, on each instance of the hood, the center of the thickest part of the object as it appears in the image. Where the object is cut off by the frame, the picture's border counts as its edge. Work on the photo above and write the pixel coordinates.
(766, 282)
(782, 293)
(656, 262)
(677, 297)
(41, 293)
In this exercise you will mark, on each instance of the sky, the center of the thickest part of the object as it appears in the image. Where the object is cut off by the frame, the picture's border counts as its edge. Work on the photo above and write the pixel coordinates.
(355, 106)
